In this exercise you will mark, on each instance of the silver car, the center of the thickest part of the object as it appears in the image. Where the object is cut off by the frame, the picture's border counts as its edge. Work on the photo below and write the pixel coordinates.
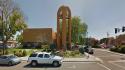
(9, 60)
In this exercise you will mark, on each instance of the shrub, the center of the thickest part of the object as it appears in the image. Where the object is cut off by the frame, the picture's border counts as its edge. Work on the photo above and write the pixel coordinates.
(115, 49)
(122, 49)
(24, 53)
(18, 53)
(81, 50)
(6, 52)
(72, 53)
(1, 52)
(75, 53)
(14, 52)
(46, 48)
(61, 53)
(96, 46)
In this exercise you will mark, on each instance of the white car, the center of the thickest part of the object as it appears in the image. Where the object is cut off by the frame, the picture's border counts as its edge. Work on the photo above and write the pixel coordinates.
(44, 58)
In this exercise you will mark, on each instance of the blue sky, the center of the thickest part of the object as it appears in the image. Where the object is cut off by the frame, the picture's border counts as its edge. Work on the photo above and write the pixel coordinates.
(101, 16)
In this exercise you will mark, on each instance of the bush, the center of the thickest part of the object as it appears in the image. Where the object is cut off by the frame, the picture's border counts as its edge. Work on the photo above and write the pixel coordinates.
(115, 49)
(81, 50)
(75, 53)
(1, 52)
(96, 46)
(120, 49)
(24, 53)
(6, 52)
(20, 53)
(14, 52)
(72, 53)
(60, 53)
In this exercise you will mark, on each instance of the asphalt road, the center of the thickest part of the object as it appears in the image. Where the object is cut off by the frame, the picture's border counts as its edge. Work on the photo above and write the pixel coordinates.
(111, 60)
(65, 66)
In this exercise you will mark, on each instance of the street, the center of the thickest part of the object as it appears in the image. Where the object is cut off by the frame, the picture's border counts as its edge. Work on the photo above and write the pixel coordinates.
(65, 66)
(110, 61)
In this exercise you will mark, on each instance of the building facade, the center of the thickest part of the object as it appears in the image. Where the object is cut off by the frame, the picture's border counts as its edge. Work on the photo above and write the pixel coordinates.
(35, 37)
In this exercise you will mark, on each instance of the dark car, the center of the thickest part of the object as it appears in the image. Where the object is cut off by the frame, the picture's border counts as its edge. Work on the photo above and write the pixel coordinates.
(89, 49)
(9, 60)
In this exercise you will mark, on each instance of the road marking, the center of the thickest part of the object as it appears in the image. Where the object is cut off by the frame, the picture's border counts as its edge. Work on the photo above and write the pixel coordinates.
(104, 66)
(117, 65)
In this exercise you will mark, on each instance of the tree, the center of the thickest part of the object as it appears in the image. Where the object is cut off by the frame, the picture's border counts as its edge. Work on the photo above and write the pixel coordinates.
(19, 38)
(11, 18)
(93, 42)
(79, 30)
(104, 40)
(120, 40)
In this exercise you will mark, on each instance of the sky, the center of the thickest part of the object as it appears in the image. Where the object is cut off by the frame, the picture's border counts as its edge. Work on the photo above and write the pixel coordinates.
(101, 16)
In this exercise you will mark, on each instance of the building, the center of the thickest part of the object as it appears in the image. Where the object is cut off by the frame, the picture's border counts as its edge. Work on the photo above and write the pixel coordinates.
(35, 37)
(10, 44)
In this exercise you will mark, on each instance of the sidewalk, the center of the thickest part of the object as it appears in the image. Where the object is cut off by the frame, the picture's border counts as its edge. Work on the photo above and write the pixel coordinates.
(85, 59)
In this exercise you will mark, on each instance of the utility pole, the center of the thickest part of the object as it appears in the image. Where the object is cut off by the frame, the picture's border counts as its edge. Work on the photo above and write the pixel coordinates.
(108, 40)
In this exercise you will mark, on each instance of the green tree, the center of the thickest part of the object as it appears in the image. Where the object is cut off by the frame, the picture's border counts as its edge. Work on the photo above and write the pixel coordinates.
(19, 38)
(79, 30)
(104, 40)
(11, 18)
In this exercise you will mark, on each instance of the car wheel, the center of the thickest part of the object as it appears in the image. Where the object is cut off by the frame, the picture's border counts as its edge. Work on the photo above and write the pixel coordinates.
(55, 63)
(33, 63)
(10, 63)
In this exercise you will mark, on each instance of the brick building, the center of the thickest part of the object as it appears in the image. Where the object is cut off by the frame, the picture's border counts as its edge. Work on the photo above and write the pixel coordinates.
(34, 37)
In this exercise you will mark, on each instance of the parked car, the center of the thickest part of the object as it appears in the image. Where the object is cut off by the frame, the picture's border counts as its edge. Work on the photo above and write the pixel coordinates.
(9, 59)
(89, 49)
(44, 58)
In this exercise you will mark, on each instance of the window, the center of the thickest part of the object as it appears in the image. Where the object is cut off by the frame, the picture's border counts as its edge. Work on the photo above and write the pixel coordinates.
(46, 56)
(3, 57)
(33, 55)
(40, 55)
